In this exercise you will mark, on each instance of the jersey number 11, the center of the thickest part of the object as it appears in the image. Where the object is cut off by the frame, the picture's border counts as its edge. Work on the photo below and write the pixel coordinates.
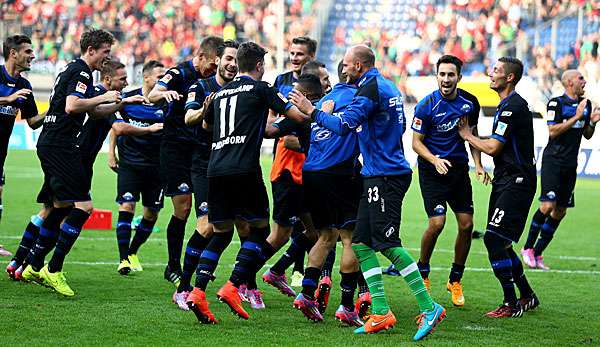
(224, 115)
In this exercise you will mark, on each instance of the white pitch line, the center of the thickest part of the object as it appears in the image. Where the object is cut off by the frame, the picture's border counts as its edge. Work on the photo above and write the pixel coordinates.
(474, 269)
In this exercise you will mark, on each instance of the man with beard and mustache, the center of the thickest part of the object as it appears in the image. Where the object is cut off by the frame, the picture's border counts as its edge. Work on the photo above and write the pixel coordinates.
(66, 179)
(569, 118)
(513, 186)
(444, 167)
(176, 164)
(16, 96)
(199, 94)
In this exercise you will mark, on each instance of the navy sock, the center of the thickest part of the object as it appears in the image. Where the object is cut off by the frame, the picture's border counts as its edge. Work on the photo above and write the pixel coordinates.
(193, 250)
(363, 287)
(175, 236)
(310, 281)
(32, 231)
(456, 272)
(209, 259)
(297, 248)
(124, 233)
(424, 269)
(142, 233)
(298, 260)
(546, 235)
(69, 232)
(49, 232)
(537, 221)
(328, 265)
(348, 285)
(519, 275)
(252, 256)
(502, 265)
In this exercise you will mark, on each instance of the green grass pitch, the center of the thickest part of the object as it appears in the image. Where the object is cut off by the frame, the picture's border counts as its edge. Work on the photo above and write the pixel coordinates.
(113, 310)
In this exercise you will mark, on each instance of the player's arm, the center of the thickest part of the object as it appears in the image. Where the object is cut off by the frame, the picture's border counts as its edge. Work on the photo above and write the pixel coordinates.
(29, 111)
(441, 165)
(353, 116)
(163, 89)
(491, 146)
(113, 160)
(197, 105)
(209, 117)
(588, 131)
(480, 172)
(292, 142)
(557, 128)
(122, 128)
(19, 94)
(36, 121)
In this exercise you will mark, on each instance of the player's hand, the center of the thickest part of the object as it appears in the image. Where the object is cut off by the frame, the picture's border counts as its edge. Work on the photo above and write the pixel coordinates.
(328, 106)
(19, 94)
(580, 109)
(208, 100)
(171, 95)
(112, 96)
(113, 162)
(134, 99)
(301, 102)
(155, 127)
(595, 117)
(483, 175)
(464, 130)
(441, 165)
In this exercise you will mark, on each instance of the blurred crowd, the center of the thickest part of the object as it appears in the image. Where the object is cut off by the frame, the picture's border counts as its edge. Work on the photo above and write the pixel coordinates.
(168, 30)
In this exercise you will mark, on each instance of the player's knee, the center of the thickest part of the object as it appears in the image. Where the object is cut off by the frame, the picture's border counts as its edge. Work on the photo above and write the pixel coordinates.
(242, 227)
(559, 213)
(547, 207)
(86, 206)
(128, 207)
(436, 225)
(328, 238)
(465, 226)
(493, 243)
(149, 214)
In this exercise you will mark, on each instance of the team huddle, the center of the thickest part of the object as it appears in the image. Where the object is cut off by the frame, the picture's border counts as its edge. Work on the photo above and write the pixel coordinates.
(194, 133)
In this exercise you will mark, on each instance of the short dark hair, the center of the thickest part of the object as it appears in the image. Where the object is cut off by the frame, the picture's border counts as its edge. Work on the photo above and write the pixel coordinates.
(227, 44)
(340, 71)
(110, 68)
(151, 65)
(513, 66)
(312, 68)
(95, 38)
(248, 55)
(311, 83)
(13, 42)
(308, 42)
(210, 44)
(450, 59)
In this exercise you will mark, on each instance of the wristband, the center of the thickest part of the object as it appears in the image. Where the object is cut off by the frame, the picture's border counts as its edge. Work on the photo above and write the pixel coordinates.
(592, 125)
(313, 114)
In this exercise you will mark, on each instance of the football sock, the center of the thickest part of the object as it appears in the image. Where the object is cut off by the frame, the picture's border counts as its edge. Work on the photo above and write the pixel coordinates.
(518, 275)
(363, 287)
(456, 272)
(32, 231)
(297, 248)
(424, 269)
(209, 259)
(329, 262)
(252, 256)
(69, 232)
(371, 271)
(142, 233)
(546, 235)
(193, 250)
(124, 233)
(537, 221)
(310, 281)
(47, 238)
(502, 265)
(348, 286)
(409, 270)
(299, 258)
(175, 236)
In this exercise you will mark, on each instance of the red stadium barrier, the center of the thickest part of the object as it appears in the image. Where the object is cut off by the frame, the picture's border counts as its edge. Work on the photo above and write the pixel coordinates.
(99, 220)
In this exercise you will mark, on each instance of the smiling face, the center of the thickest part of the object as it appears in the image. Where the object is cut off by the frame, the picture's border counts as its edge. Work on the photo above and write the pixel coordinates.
(447, 79)
(228, 64)
(23, 56)
(99, 57)
(299, 56)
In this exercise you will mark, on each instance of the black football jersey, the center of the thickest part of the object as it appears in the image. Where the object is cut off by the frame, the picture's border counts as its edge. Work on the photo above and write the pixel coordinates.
(238, 115)
(195, 98)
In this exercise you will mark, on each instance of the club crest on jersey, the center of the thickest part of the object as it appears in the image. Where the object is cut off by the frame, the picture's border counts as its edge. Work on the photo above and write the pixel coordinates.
(183, 187)
(417, 123)
(81, 87)
(466, 107)
(551, 195)
(501, 128)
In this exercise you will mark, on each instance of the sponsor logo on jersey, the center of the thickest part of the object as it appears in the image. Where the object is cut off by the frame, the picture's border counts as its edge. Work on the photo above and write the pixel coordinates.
(440, 114)
(8, 110)
(81, 87)
(448, 126)
(183, 187)
(506, 114)
(322, 134)
(417, 123)
(501, 128)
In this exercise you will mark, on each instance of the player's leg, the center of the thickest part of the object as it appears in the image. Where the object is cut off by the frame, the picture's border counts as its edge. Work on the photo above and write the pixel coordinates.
(434, 229)
(142, 233)
(462, 246)
(349, 271)
(126, 213)
(30, 236)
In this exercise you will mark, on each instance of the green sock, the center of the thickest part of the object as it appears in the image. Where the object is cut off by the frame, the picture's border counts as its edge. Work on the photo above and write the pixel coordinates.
(372, 273)
(410, 272)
